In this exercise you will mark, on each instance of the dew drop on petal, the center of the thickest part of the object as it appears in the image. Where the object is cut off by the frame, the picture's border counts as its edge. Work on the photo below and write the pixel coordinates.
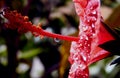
(81, 37)
(91, 8)
(94, 12)
(86, 38)
(93, 26)
(94, 19)
(85, 28)
(81, 45)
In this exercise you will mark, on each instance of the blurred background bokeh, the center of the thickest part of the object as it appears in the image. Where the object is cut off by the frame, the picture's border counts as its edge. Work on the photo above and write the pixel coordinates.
(27, 56)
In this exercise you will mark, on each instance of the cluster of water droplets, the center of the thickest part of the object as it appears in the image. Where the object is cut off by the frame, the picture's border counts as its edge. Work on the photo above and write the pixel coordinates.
(87, 27)
(81, 54)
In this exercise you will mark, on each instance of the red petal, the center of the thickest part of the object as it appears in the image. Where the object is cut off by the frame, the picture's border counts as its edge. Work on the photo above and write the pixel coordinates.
(99, 53)
(92, 34)
(104, 35)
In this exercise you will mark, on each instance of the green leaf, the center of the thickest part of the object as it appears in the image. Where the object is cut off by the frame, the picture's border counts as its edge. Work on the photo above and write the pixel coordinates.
(30, 54)
(116, 61)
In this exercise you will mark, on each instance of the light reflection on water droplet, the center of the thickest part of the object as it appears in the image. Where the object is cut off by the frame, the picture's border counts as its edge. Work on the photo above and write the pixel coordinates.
(81, 37)
(93, 34)
(84, 58)
(91, 8)
(94, 19)
(88, 45)
(81, 45)
(85, 28)
(94, 12)
(86, 38)
(93, 26)
(88, 20)
(57, 40)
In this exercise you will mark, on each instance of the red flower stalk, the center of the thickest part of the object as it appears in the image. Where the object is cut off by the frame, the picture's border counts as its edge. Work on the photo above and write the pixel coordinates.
(85, 48)
(21, 23)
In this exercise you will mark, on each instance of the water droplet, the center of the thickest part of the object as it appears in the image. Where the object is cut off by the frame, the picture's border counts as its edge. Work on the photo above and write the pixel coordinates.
(93, 26)
(85, 28)
(57, 40)
(94, 19)
(88, 20)
(86, 38)
(88, 45)
(81, 45)
(84, 58)
(91, 8)
(81, 37)
(76, 59)
(93, 34)
(94, 12)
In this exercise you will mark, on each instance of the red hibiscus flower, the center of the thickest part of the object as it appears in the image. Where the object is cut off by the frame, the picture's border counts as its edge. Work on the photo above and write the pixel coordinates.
(85, 48)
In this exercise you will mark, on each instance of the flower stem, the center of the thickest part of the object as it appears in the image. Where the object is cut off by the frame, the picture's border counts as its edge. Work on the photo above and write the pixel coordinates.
(40, 31)
(22, 24)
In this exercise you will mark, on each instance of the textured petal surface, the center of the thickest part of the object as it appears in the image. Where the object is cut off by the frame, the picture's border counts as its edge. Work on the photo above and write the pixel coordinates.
(92, 33)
